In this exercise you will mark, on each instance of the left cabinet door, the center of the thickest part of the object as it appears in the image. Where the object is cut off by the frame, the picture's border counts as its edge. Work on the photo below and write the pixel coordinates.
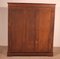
(19, 39)
(16, 29)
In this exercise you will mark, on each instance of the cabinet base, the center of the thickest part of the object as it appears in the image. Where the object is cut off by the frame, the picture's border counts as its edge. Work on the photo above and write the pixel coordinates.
(30, 54)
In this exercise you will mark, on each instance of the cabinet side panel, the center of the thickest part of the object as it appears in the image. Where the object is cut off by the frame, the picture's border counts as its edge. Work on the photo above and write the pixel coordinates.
(51, 36)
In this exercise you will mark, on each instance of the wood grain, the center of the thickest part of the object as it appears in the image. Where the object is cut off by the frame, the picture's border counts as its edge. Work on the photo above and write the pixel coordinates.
(30, 29)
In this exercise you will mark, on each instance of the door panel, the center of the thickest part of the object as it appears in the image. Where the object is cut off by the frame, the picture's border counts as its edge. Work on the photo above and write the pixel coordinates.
(17, 29)
(43, 20)
(22, 29)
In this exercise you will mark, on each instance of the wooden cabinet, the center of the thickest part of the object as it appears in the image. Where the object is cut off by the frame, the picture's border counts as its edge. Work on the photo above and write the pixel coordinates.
(30, 29)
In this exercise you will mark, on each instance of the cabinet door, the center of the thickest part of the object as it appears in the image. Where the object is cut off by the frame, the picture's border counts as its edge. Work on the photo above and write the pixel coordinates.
(44, 30)
(22, 30)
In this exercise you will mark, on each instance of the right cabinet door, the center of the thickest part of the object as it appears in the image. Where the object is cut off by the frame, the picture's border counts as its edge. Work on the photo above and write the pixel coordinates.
(44, 30)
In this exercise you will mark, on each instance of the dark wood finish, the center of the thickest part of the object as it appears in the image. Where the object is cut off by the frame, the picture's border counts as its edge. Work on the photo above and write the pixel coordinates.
(30, 29)
(30, 54)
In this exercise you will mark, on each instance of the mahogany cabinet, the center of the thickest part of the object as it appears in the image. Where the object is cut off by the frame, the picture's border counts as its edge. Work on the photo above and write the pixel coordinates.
(30, 29)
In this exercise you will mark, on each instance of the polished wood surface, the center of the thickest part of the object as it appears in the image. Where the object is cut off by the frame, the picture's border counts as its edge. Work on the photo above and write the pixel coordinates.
(30, 29)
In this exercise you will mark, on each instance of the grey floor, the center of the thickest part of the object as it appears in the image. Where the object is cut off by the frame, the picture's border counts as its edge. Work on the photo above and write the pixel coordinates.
(3, 54)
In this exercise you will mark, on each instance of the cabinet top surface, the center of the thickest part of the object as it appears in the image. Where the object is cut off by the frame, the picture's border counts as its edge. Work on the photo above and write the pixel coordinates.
(31, 4)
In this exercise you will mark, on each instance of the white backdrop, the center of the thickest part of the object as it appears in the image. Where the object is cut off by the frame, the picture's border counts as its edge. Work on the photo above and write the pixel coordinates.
(4, 19)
